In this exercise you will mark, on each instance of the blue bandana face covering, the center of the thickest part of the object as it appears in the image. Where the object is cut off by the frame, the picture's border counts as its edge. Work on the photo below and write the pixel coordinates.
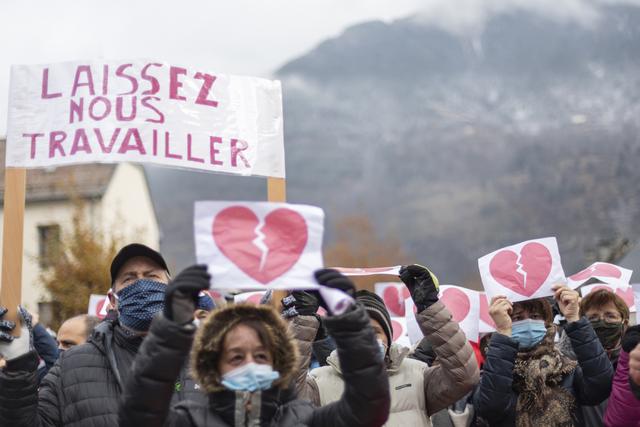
(250, 377)
(139, 302)
(528, 332)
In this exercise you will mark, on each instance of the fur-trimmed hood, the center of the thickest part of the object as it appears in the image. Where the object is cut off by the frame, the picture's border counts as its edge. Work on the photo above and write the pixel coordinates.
(207, 347)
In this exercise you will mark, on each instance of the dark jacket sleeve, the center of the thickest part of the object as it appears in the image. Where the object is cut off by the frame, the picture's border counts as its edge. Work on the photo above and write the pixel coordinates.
(150, 386)
(46, 347)
(494, 399)
(322, 349)
(366, 399)
(594, 373)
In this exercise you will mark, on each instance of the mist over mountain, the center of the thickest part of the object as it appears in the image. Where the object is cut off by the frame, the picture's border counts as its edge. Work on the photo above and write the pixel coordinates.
(457, 144)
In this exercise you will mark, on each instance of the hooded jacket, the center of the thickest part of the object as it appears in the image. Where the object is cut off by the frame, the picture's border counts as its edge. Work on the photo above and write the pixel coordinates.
(82, 389)
(589, 383)
(417, 390)
(146, 400)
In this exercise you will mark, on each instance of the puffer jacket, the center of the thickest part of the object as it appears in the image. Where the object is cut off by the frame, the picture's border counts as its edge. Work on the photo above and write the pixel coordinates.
(590, 382)
(82, 389)
(624, 406)
(364, 403)
(417, 390)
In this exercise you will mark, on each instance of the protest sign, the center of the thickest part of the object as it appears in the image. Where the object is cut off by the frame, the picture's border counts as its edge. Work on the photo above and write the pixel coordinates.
(400, 334)
(604, 272)
(413, 329)
(249, 297)
(464, 305)
(145, 112)
(393, 294)
(636, 300)
(523, 271)
(369, 271)
(98, 305)
(626, 293)
(486, 323)
(259, 245)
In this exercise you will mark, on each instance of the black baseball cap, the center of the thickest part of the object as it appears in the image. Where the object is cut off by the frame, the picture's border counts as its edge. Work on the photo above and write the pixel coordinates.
(131, 251)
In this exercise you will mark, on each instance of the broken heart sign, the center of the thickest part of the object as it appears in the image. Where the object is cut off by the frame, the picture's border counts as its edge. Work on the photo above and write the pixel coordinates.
(603, 271)
(400, 335)
(98, 305)
(249, 297)
(393, 295)
(486, 321)
(259, 245)
(626, 293)
(523, 271)
(464, 305)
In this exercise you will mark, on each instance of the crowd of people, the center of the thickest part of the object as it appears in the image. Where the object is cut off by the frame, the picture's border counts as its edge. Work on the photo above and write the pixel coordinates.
(167, 356)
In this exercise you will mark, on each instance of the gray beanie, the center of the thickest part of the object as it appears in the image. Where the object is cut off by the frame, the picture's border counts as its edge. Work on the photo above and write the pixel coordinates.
(377, 310)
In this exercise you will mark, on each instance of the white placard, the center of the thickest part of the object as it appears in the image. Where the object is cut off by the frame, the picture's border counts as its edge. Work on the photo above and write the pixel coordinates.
(413, 329)
(393, 294)
(486, 323)
(523, 271)
(603, 271)
(636, 299)
(625, 293)
(464, 305)
(249, 297)
(259, 245)
(98, 305)
(146, 112)
(400, 334)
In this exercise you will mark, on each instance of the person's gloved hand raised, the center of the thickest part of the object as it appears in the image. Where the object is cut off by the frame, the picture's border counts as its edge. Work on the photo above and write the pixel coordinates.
(422, 283)
(333, 279)
(300, 303)
(181, 298)
(13, 347)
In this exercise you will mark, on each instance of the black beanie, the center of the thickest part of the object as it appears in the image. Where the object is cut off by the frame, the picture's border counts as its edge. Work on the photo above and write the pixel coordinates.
(377, 310)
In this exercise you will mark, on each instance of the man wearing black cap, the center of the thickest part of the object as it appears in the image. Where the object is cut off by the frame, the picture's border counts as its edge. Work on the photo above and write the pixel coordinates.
(84, 386)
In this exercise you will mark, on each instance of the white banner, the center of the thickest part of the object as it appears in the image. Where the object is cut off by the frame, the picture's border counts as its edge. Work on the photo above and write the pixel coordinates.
(98, 305)
(393, 294)
(486, 323)
(249, 297)
(145, 112)
(259, 245)
(523, 271)
(636, 299)
(413, 329)
(400, 334)
(603, 271)
(625, 293)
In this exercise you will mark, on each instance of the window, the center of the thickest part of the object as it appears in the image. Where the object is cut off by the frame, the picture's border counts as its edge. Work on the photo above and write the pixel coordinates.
(48, 243)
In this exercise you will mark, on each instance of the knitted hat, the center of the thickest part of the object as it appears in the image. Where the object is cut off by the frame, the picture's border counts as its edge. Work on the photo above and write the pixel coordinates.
(377, 310)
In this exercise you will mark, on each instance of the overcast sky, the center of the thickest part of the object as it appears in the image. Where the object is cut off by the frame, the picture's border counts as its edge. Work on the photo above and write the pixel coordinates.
(230, 36)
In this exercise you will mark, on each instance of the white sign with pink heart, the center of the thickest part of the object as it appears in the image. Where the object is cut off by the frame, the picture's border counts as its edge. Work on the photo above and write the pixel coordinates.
(259, 245)
(486, 323)
(464, 305)
(626, 293)
(393, 294)
(603, 271)
(524, 271)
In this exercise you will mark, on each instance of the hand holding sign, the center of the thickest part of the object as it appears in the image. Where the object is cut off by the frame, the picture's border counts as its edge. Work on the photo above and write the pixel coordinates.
(500, 311)
(422, 283)
(523, 271)
(568, 302)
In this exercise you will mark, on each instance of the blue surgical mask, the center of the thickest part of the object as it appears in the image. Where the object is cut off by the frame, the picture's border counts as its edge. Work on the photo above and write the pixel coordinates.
(382, 348)
(528, 332)
(250, 377)
(139, 302)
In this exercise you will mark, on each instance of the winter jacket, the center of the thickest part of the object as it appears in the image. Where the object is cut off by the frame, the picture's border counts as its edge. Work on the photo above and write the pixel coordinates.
(82, 388)
(417, 390)
(365, 402)
(46, 347)
(623, 409)
(590, 382)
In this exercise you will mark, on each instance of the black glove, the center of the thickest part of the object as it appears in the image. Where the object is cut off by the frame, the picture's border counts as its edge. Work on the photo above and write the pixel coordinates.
(6, 326)
(303, 303)
(181, 299)
(631, 338)
(333, 279)
(422, 283)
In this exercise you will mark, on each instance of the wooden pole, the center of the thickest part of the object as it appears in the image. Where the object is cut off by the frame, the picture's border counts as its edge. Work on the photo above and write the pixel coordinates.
(12, 242)
(277, 192)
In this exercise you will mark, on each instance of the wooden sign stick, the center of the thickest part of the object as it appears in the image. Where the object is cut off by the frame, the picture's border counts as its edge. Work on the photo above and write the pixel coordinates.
(12, 241)
(277, 192)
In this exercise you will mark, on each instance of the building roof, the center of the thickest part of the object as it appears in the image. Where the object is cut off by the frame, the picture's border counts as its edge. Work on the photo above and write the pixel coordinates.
(59, 183)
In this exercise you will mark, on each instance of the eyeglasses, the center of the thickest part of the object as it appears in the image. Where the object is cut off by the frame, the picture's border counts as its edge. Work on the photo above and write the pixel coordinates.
(608, 318)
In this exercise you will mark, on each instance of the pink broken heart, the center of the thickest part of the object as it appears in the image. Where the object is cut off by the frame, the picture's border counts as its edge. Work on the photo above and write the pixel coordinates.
(602, 270)
(525, 272)
(394, 300)
(457, 302)
(283, 236)
(484, 311)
